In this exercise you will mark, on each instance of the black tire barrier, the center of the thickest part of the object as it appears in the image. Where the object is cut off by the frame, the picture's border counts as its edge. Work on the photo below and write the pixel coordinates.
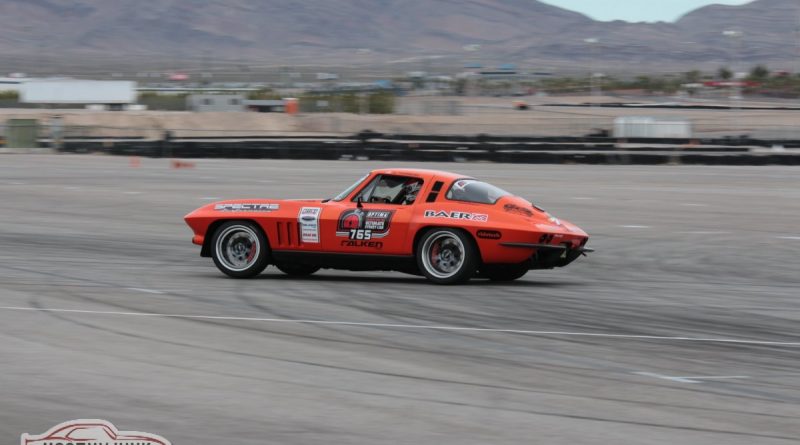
(435, 152)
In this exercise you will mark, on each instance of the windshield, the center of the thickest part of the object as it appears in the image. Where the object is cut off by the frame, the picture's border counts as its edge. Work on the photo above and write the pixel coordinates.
(470, 190)
(350, 189)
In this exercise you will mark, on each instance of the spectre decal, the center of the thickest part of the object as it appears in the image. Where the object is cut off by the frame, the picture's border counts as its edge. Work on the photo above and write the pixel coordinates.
(247, 207)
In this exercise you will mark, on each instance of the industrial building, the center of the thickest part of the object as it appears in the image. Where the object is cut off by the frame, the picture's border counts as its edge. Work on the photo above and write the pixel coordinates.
(233, 102)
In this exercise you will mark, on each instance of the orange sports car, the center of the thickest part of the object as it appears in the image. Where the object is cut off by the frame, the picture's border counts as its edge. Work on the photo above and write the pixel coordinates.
(445, 226)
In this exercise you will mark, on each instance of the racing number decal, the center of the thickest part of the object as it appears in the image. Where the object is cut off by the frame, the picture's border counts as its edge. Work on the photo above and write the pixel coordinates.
(357, 223)
(364, 234)
(363, 227)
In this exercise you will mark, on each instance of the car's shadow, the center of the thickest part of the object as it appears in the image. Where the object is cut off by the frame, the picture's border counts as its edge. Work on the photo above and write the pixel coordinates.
(410, 279)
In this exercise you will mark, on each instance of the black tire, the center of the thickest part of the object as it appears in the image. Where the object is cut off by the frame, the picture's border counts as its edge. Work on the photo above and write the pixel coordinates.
(297, 270)
(447, 256)
(240, 249)
(506, 272)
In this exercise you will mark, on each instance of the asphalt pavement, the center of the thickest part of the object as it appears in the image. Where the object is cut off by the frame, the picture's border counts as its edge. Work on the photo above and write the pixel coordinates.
(681, 328)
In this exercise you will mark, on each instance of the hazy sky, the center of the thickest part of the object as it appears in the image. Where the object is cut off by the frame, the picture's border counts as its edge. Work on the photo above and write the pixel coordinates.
(637, 10)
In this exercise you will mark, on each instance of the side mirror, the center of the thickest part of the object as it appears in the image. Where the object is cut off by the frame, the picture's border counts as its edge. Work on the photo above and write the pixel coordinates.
(359, 202)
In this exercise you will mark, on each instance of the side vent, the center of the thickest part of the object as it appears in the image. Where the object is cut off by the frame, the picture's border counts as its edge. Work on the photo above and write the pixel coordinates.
(437, 187)
(288, 234)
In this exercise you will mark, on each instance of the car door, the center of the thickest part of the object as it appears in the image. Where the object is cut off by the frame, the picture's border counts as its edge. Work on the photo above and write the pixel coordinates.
(369, 223)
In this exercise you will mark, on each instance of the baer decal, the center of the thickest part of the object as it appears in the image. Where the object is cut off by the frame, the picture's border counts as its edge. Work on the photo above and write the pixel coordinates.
(364, 225)
(464, 216)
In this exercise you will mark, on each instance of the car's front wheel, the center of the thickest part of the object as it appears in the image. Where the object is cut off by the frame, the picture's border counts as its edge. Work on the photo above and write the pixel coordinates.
(447, 256)
(240, 249)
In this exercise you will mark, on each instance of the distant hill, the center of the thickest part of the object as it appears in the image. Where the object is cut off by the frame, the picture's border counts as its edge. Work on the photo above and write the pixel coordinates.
(345, 31)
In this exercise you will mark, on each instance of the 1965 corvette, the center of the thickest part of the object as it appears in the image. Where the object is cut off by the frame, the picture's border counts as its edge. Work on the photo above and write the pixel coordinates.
(445, 226)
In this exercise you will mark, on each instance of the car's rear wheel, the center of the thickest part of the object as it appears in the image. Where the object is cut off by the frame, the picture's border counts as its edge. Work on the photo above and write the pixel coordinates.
(240, 249)
(297, 270)
(447, 256)
(506, 272)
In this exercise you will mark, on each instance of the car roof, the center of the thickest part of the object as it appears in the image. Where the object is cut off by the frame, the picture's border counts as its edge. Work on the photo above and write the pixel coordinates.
(439, 174)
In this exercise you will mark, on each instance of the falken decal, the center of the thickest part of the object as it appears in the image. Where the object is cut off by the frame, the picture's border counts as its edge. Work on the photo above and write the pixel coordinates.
(308, 219)
(364, 225)
(369, 244)
(247, 207)
(463, 216)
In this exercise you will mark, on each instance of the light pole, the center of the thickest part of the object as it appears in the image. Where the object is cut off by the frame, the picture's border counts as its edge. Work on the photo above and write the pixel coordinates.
(592, 42)
(473, 61)
(736, 90)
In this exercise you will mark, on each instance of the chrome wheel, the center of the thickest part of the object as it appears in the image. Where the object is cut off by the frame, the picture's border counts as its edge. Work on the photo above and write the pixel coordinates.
(238, 248)
(443, 254)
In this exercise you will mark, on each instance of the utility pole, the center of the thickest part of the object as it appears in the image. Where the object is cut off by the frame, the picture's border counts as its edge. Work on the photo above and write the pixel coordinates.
(592, 42)
(736, 91)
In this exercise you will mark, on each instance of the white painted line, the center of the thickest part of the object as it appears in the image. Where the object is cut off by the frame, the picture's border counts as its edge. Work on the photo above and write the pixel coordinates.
(692, 204)
(411, 326)
(704, 232)
(132, 193)
(147, 291)
(666, 377)
(691, 379)
(717, 377)
(793, 238)
(635, 227)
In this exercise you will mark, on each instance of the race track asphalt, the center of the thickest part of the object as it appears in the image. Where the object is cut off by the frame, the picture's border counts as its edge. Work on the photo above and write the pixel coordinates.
(683, 327)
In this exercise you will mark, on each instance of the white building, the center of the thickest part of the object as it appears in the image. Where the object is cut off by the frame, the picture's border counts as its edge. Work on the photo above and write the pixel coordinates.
(116, 93)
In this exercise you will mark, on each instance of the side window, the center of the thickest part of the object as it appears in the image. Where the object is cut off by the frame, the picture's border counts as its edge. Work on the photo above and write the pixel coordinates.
(470, 190)
(391, 189)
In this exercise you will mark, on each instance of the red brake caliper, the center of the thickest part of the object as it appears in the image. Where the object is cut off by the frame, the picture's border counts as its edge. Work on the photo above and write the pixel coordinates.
(252, 253)
(434, 253)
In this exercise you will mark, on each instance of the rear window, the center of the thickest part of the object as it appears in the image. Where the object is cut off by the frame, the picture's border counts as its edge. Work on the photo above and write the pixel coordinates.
(470, 190)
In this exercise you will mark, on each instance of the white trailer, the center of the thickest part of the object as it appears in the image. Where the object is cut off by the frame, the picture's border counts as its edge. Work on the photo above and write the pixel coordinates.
(72, 91)
(651, 127)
